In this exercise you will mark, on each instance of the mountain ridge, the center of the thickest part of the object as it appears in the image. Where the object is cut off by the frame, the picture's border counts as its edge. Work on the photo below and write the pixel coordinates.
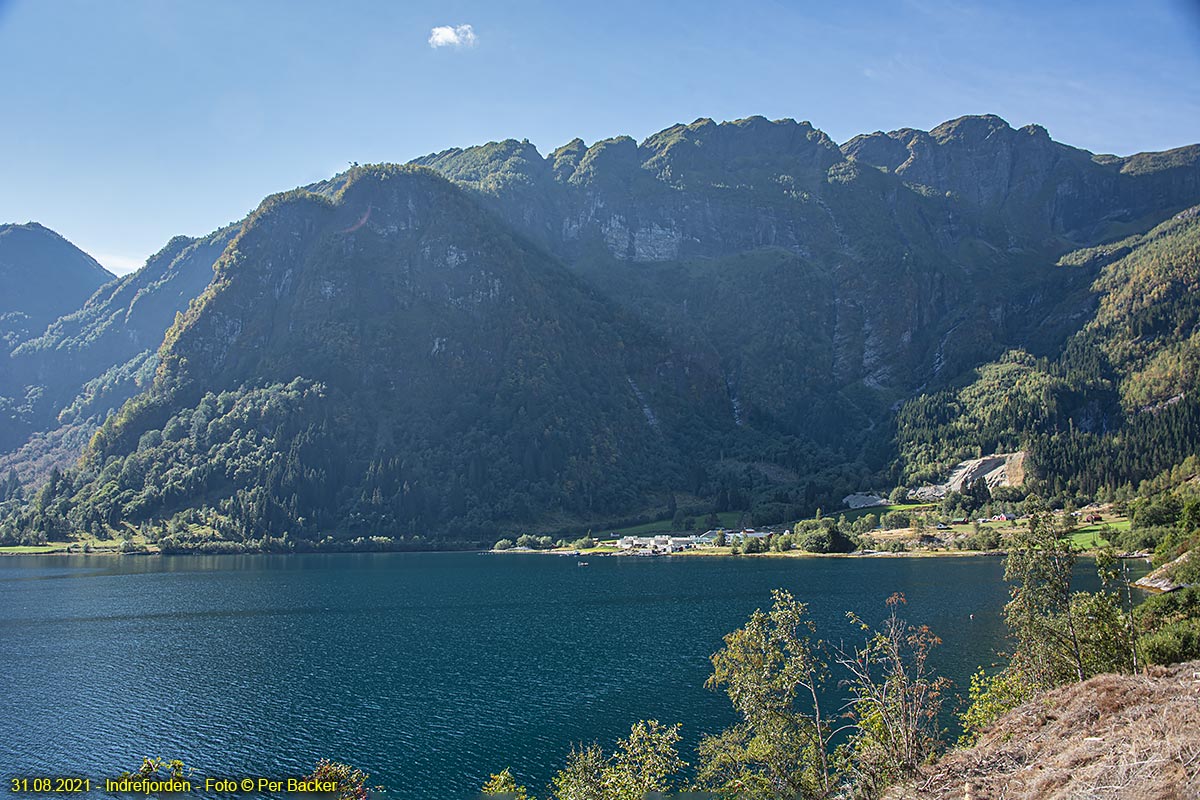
(789, 296)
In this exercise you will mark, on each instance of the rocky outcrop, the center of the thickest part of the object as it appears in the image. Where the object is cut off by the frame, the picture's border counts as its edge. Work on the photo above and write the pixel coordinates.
(998, 469)
(1164, 579)
(863, 501)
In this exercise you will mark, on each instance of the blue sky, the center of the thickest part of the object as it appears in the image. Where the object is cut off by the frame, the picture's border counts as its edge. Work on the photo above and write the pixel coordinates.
(126, 122)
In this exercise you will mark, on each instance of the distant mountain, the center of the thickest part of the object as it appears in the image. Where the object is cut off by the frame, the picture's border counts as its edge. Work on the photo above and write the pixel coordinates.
(745, 315)
(64, 382)
(42, 277)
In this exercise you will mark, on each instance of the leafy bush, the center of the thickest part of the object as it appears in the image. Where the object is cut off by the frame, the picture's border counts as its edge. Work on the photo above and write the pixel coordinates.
(1165, 609)
(1178, 641)
(827, 540)
(990, 697)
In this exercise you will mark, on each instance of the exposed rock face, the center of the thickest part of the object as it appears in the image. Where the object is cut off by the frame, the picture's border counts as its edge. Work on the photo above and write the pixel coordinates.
(863, 501)
(1002, 469)
(999, 469)
(1113, 737)
(1163, 579)
(702, 189)
(708, 189)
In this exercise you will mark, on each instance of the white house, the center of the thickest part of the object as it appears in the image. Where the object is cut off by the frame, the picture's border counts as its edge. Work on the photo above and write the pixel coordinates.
(656, 544)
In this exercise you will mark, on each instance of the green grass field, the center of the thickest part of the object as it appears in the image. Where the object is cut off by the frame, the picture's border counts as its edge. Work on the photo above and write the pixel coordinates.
(1089, 540)
(32, 549)
(879, 511)
(96, 546)
(1093, 536)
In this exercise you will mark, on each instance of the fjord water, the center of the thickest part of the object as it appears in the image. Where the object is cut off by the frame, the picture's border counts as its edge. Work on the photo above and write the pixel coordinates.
(427, 670)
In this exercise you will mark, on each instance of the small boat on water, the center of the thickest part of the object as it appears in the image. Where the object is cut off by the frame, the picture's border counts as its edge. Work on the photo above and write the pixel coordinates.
(583, 563)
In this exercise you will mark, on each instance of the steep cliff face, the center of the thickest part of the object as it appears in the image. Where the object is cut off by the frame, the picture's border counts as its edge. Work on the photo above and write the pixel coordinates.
(702, 189)
(42, 277)
(699, 190)
(893, 284)
(406, 364)
(707, 189)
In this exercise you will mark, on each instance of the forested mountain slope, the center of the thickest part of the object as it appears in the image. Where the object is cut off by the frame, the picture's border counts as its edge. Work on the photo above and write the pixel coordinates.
(830, 285)
(392, 359)
(1117, 404)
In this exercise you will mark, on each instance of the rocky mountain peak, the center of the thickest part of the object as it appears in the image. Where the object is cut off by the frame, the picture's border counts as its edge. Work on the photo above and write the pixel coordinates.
(970, 129)
(608, 160)
(565, 160)
(708, 152)
(491, 166)
(1034, 182)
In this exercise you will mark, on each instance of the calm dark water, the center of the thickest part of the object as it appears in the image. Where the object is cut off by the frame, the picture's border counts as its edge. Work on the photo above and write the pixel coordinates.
(427, 670)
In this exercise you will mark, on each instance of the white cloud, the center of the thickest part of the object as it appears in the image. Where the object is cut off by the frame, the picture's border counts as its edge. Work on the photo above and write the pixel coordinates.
(452, 36)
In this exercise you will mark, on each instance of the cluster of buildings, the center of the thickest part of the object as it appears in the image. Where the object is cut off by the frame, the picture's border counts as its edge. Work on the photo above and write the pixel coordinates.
(981, 520)
(664, 543)
(657, 544)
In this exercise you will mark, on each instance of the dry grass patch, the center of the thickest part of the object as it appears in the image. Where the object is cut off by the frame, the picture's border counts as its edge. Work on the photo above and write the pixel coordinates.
(1114, 736)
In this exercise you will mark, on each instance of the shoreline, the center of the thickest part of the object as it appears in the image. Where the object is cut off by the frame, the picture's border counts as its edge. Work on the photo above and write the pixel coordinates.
(798, 554)
(61, 550)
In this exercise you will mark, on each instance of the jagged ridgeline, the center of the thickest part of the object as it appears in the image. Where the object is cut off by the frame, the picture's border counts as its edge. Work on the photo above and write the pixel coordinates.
(392, 359)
